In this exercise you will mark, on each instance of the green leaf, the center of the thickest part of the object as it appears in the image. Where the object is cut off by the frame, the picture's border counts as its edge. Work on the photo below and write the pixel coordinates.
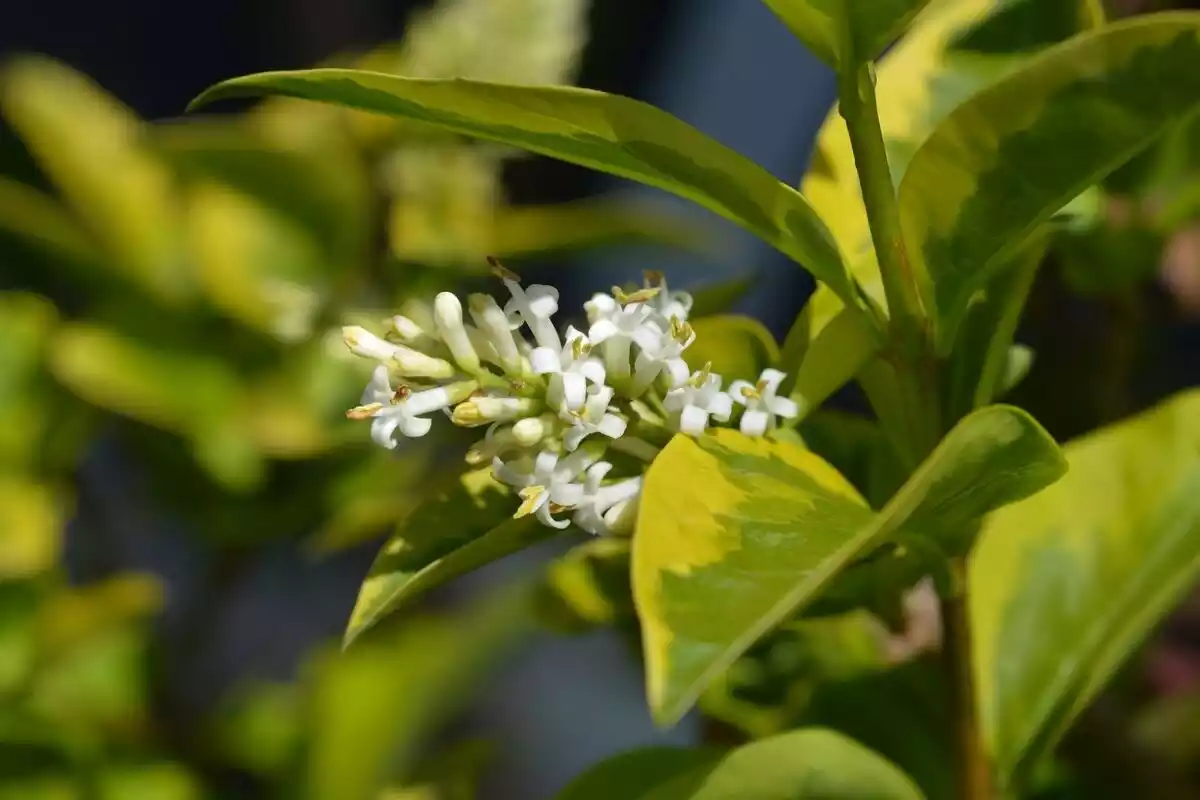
(527, 230)
(633, 775)
(463, 526)
(831, 27)
(822, 355)
(31, 527)
(1068, 583)
(372, 706)
(975, 373)
(613, 134)
(589, 586)
(735, 346)
(1010, 157)
(734, 534)
(808, 764)
(1022, 25)
(84, 140)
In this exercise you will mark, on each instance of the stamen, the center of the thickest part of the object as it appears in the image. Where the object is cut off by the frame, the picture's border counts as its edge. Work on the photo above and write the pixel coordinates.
(401, 394)
(502, 272)
(654, 278)
(364, 412)
(639, 296)
(530, 497)
(751, 393)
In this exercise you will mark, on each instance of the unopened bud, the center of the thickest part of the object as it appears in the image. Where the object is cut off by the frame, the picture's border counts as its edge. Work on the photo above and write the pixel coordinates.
(529, 431)
(406, 330)
(366, 344)
(448, 316)
(492, 320)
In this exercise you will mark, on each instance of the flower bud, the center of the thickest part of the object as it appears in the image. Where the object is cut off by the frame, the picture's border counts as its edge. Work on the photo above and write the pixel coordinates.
(448, 316)
(492, 320)
(529, 431)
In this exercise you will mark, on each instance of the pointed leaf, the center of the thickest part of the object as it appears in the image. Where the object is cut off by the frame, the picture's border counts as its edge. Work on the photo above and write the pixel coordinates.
(464, 525)
(843, 33)
(1066, 584)
(1006, 160)
(614, 134)
(734, 534)
(718, 297)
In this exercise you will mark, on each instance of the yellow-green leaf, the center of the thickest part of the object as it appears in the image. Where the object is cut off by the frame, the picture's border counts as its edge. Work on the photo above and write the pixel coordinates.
(734, 534)
(1006, 160)
(90, 145)
(31, 522)
(464, 525)
(1066, 584)
(843, 33)
(605, 132)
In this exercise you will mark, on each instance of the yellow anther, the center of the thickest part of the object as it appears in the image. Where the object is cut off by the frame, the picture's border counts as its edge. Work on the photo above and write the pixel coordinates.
(638, 296)
(531, 497)
(364, 412)
(700, 378)
(751, 393)
(580, 347)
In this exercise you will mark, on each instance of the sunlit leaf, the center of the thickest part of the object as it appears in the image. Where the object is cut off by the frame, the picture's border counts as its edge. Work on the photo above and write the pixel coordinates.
(463, 525)
(821, 355)
(83, 138)
(1006, 160)
(1066, 584)
(734, 534)
(843, 34)
(606, 132)
(34, 217)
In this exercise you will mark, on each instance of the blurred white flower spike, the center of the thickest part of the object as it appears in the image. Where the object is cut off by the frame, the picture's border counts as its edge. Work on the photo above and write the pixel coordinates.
(572, 419)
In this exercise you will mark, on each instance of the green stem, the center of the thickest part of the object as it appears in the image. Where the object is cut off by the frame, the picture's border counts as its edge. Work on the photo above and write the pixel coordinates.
(856, 101)
(973, 773)
(911, 350)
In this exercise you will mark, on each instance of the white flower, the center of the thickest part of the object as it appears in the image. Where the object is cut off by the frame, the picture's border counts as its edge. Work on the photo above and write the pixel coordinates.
(408, 362)
(403, 410)
(548, 485)
(407, 330)
(497, 328)
(570, 369)
(594, 417)
(762, 404)
(666, 356)
(603, 509)
(619, 331)
(668, 305)
(534, 306)
(448, 316)
(698, 399)
(601, 306)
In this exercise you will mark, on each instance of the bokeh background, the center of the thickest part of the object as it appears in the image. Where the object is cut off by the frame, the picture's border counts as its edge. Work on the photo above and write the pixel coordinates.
(188, 572)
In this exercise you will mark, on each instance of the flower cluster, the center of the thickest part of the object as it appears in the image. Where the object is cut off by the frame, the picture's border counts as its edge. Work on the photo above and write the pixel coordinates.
(566, 414)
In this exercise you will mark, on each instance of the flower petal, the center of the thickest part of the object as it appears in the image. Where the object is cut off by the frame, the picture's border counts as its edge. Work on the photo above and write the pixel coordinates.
(754, 423)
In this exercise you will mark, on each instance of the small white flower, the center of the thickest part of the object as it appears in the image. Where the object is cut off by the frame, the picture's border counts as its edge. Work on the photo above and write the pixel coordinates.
(497, 329)
(668, 305)
(407, 330)
(570, 370)
(402, 410)
(408, 362)
(602, 509)
(534, 306)
(548, 485)
(448, 316)
(601, 306)
(699, 398)
(762, 404)
(594, 417)
(630, 325)
(665, 357)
